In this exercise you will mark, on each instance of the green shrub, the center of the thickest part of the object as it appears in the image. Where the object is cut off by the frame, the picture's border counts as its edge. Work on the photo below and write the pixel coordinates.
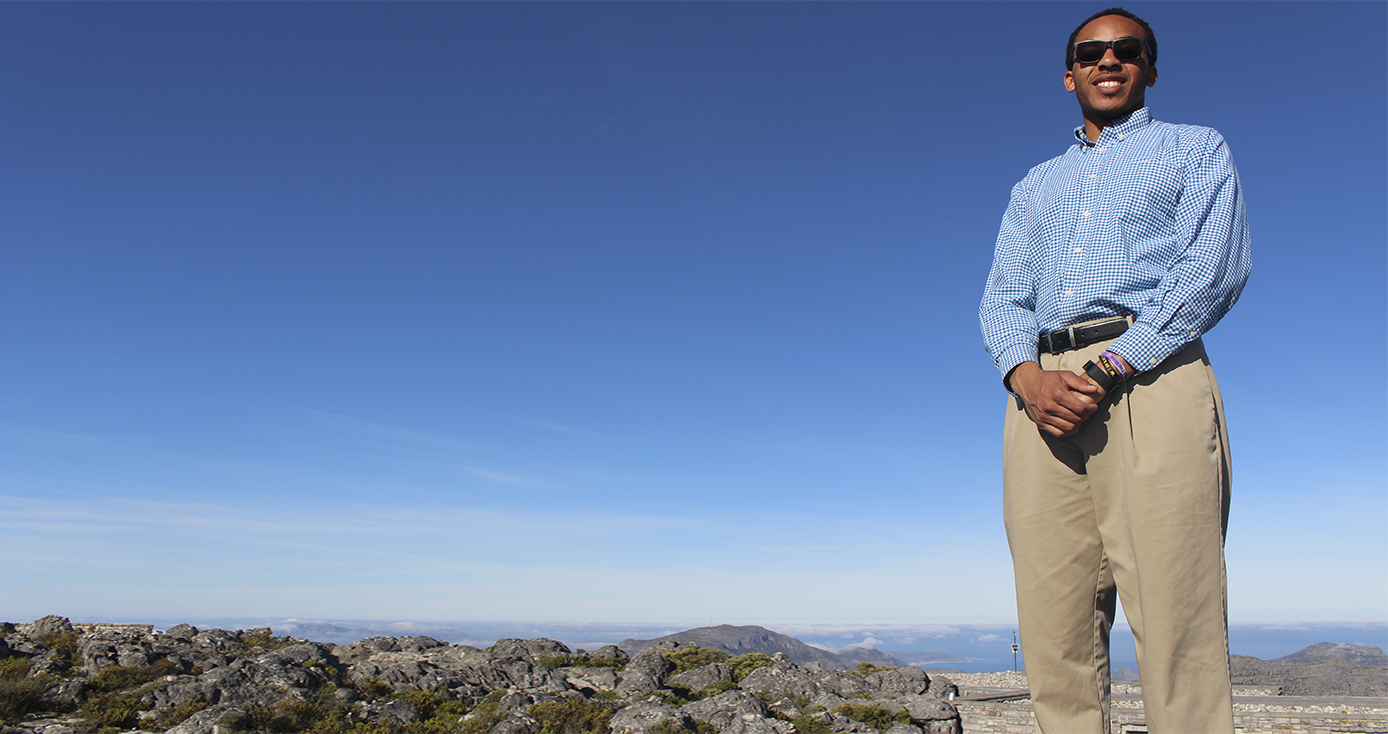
(865, 669)
(554, 661)
(721, 686)
(743, 665)
(433, 703)
(263, 637)
(574, 716)
(19, 693)
(64, 642)
(675, 696)
(874, 716)
(174, 715)
(15, 668)
(695, 657)
(371, 689)
(810, 725)
(485, 715)
(112, 712)
(671, 726)
(118, 677)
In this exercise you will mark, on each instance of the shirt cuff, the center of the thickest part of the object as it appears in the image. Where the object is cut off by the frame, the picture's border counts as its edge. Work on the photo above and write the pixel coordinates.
(1143, 347)
(1013, 356)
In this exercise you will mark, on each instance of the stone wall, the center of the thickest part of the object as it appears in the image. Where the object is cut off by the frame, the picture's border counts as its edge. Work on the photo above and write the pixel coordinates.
(1015, 717)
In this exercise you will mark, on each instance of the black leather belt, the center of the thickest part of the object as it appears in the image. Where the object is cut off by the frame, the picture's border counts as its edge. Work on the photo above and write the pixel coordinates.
(1082, 336)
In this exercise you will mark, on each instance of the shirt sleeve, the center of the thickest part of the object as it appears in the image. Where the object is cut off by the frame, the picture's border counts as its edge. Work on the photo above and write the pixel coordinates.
(1208, 275)
(1007, 314)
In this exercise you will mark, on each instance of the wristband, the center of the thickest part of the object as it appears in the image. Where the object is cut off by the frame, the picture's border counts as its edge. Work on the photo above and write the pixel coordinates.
(1117, 363)
(1098, 375)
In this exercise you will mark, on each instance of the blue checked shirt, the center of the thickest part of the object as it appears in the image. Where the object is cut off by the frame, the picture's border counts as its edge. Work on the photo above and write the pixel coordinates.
(1147, 221)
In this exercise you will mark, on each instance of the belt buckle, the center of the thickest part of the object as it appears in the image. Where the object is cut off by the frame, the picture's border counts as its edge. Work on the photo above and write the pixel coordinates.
(1074, 343)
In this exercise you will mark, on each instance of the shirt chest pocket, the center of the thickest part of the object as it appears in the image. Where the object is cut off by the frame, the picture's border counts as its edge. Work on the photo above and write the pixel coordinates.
(1146, 191)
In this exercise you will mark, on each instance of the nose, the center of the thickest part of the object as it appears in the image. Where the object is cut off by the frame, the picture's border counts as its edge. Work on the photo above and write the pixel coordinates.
(1110, 61)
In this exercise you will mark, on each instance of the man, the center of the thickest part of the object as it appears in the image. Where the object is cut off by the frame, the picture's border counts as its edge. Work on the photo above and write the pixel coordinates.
(1112, 260)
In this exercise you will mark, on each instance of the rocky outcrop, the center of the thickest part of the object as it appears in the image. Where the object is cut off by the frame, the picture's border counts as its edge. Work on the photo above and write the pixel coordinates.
(784, 679)
(740, 640)
(191, 681)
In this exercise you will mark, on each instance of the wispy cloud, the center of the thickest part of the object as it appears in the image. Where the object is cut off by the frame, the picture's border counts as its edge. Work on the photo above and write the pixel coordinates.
(510, 480)
(379, 431)
(553, 426)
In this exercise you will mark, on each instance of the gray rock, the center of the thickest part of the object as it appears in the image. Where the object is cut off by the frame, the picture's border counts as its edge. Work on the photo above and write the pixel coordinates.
(652, 660)
(943, 687)
(517, 723)
(214, 641)
(184, 632)
(721, 710)
(785, 707)
(928, 707)
(265, 679)
(900, 680)
(639, 717)
(608, 652)
(67, 693)
(215, 720)
(389, 711)
(591, 680)
(749, 724)
(49, 625)
(905, 729)
(529, 650)
(702, 677)
(635, 684)
(786, 680)
(465, 671)
(841, 723)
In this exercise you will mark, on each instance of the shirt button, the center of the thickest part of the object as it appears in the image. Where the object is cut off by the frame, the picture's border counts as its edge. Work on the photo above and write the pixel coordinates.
(1079, 249)
(1086, 214)
(1154, 361)
(1093, 175)
(1120, 136)
(1101, 149)
(1069, 293)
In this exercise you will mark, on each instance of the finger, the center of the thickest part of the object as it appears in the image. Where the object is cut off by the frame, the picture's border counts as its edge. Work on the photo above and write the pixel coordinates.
(1080, 383)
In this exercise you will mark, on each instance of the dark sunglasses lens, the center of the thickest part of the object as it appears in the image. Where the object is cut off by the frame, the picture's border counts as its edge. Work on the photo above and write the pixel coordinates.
(1089, 52)
(1128, 49)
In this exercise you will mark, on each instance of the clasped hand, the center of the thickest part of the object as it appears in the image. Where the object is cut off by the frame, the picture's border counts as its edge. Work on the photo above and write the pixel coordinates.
(1057, 401)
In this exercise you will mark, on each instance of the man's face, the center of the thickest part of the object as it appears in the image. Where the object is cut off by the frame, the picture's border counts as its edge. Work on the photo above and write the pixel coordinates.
(1110, 88)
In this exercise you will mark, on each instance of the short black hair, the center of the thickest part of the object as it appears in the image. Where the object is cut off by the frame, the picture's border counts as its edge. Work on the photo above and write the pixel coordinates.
(1151, 37)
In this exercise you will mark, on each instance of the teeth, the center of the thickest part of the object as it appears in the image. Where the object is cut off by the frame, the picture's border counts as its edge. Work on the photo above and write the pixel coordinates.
(1110, 84)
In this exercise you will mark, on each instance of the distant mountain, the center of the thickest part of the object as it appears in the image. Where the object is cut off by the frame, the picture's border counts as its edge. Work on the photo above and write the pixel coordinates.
(855, 655)
(1324, 669)
(750, 638)
(1370, 655)
(339, 635)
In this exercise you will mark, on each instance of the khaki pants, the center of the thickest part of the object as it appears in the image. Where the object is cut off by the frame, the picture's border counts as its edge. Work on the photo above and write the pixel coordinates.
(1134, 506)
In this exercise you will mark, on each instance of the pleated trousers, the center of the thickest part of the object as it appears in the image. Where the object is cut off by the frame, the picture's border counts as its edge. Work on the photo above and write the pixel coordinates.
(1133, 507)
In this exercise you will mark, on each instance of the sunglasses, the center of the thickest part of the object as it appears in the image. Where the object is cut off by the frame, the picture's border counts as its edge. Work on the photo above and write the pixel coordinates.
(1127, 48)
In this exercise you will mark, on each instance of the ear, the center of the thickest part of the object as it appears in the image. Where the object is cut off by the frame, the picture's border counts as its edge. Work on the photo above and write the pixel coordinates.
(1070, 80)
(1152, 76)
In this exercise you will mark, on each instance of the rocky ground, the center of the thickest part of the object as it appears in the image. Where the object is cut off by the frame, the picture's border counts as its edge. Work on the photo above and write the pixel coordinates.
(1128, 695)
(57, 678)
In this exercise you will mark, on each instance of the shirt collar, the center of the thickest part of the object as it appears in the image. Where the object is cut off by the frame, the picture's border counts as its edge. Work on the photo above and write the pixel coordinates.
(1118, 129)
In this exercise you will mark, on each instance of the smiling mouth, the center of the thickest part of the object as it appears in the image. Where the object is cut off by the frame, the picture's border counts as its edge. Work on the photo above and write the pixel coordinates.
(1109, 85)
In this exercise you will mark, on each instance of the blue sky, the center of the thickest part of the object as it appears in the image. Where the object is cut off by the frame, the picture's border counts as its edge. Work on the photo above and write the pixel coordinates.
(621, 312)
